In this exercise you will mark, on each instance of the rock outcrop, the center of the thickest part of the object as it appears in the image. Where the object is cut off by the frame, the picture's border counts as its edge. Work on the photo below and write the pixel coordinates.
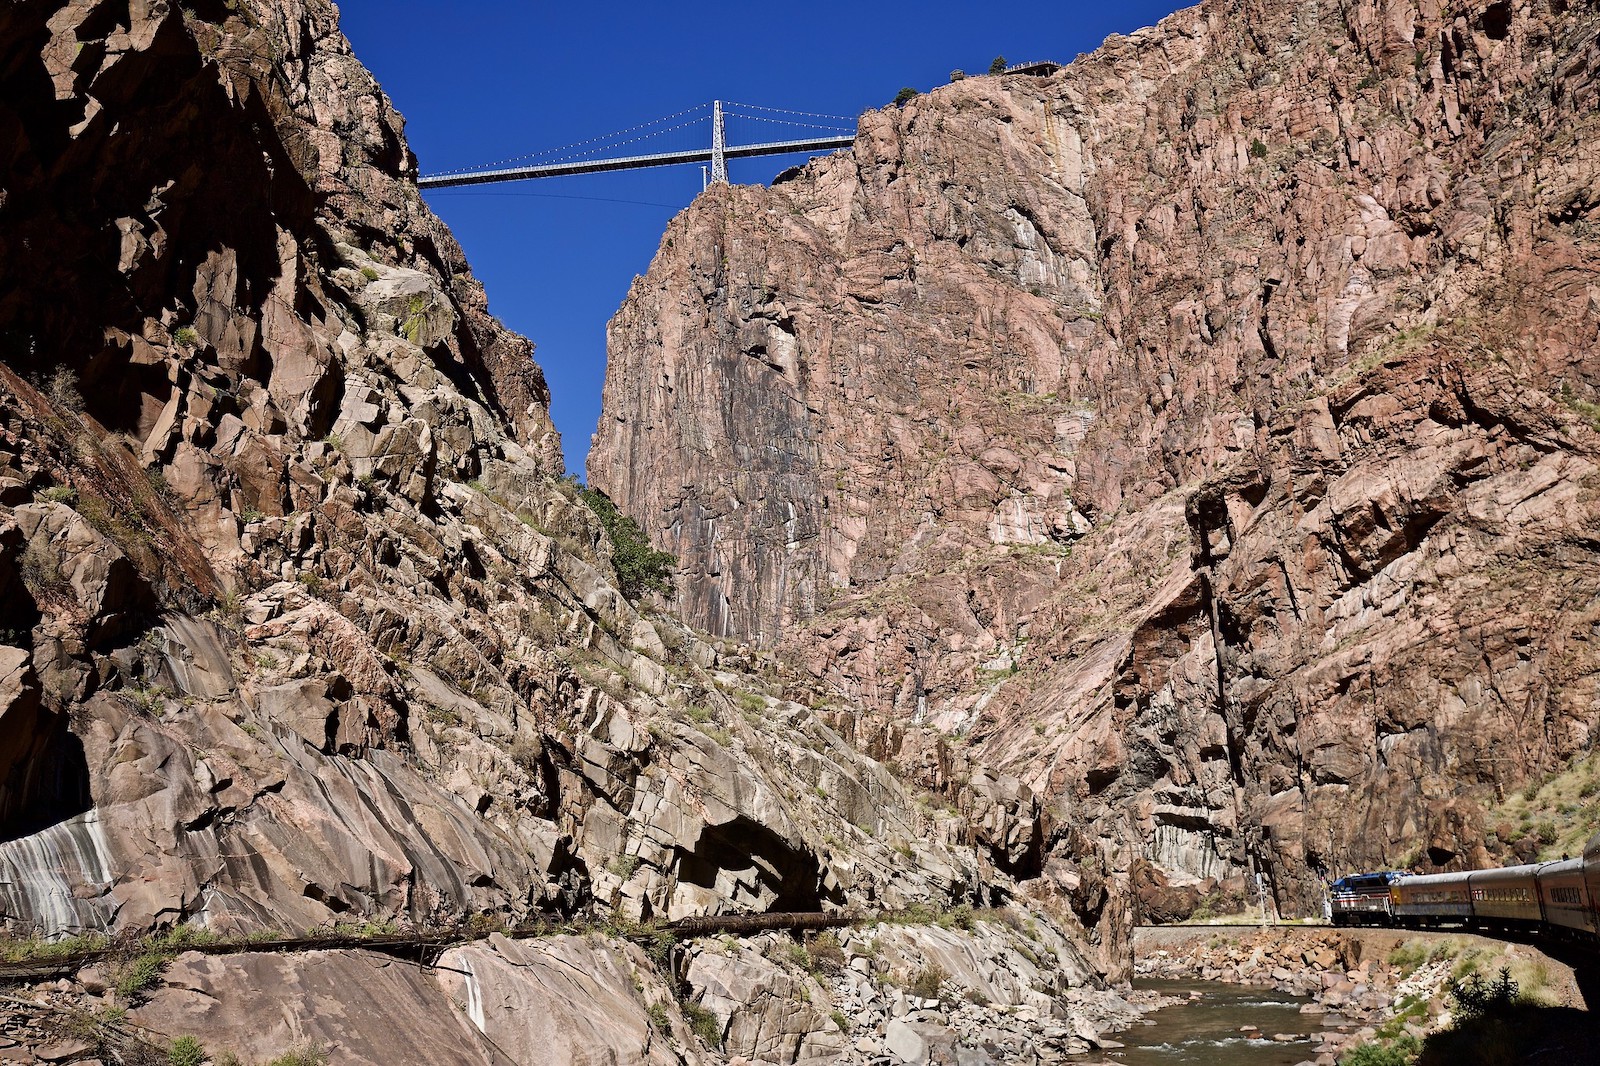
(330, 636)
(299, 624)
(1205, 431)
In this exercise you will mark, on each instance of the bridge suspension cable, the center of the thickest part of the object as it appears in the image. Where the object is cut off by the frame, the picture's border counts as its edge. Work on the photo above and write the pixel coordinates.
(598, 154)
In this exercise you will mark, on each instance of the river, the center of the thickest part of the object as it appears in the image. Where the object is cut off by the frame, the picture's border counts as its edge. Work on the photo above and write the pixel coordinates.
(1207, 1031)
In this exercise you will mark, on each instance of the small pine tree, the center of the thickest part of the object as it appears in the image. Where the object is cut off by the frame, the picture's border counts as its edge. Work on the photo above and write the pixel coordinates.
(998, 66)
(1473, 997)
(900, 98)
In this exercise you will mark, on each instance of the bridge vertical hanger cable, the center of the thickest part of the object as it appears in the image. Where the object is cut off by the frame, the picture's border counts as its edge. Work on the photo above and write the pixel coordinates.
(719, 146)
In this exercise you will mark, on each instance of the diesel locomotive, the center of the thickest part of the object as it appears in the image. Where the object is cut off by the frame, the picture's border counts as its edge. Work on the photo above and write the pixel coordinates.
(1559, 899)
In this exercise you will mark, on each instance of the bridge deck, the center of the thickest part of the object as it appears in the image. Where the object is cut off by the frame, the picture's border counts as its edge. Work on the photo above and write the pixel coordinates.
(632, 162)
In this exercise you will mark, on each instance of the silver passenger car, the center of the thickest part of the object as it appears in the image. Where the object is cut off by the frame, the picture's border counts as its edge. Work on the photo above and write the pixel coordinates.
(1433, 899)
(1505, 896)
(1565, 897)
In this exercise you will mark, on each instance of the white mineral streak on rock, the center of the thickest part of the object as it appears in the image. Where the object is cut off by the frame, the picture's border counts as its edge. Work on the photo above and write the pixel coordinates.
(474, 993)
(44, 877)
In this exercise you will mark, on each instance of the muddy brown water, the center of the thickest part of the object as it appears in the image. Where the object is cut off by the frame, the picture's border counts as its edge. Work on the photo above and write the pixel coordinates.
(1207, 1031)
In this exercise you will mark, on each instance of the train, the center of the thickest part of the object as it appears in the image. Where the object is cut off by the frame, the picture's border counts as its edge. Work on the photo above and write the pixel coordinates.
(1559, 899)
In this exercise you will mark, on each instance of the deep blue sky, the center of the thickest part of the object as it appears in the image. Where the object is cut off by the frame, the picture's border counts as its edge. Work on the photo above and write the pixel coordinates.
(483, 80)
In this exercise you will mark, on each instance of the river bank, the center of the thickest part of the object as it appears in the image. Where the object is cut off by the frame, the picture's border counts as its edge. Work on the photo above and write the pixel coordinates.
(1212, 1022)
(1367, 986)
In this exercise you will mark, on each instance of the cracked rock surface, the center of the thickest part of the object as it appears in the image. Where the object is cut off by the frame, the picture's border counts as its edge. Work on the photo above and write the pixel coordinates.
(1205, 431)
(301, 627)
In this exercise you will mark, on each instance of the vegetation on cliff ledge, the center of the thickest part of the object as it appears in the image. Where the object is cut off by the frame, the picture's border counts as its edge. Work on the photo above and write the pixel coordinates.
(640, 567)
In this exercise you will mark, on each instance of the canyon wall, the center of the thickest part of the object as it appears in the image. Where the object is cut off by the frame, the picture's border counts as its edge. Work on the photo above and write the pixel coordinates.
(301, 627)
(1204, 432)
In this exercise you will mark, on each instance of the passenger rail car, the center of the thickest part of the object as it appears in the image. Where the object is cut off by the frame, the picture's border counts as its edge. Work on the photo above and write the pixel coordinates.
(1556, 899)
(1431, 899)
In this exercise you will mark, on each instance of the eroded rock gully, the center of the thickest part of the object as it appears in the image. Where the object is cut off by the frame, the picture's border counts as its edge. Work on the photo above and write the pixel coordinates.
(1206, 432)
(300, 626)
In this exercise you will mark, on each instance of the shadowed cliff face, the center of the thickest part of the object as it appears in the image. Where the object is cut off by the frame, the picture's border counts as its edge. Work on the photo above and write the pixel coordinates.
(1206, 431)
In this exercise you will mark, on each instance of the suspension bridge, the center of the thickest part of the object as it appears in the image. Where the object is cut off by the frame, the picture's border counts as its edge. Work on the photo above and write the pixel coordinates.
(820, 133)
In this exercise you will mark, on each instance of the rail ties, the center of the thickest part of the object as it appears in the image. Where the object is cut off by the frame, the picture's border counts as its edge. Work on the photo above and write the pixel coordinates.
(744, 924)
(425, 947)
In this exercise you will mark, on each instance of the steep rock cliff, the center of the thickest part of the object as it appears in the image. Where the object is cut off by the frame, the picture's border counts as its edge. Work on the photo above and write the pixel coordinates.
(299, 624)
(1205, 432)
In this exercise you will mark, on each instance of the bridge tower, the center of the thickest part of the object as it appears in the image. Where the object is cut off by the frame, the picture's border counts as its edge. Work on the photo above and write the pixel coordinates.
(719, 146)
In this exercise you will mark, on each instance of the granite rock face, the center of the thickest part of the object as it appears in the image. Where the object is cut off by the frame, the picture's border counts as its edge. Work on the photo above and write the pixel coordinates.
(300, 624)
(1205, 431)
(561, 1001)
(301, 628)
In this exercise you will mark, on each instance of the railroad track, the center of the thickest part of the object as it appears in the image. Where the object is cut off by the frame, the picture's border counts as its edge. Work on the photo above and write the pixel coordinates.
(425, 947)
(1241, 925)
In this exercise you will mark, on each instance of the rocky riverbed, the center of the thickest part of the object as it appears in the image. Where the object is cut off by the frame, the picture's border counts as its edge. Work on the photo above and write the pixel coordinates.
(1366, 985)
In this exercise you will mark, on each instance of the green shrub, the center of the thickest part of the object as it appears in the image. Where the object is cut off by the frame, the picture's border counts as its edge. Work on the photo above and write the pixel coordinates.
(185, 1051)
(657, 1013)
(140, 974)
(997, 65)
(1409, 955)
(705, 1024)
(904, 95)
(639, 567)
(1400, 1053)
(26, 950)
(927, 982)
(1258, 150)
(827, 954)
(722, 737)
(187, 336)
(302, 1056)
(957, 917)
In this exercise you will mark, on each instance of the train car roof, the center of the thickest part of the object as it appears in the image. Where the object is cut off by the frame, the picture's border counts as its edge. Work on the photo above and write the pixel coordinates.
(1422, 880)
(1506, 873)
(1558, 867)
